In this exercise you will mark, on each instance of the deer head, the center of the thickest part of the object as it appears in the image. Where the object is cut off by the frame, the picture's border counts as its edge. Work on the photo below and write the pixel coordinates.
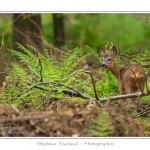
(107, 58)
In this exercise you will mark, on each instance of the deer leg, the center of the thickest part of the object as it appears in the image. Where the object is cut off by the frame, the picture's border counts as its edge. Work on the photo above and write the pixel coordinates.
(123, 101)
(140, 89)
(128, 90)
(138, 98)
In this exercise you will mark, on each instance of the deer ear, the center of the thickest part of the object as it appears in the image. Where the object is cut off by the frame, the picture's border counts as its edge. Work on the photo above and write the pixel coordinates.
(100, 52)
(113, 50)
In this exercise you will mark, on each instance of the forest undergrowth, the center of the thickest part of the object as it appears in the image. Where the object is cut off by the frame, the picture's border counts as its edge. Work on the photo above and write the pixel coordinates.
(46, 85)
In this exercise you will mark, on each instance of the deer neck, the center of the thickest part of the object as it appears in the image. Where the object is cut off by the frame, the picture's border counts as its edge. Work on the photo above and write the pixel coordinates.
(117, 70)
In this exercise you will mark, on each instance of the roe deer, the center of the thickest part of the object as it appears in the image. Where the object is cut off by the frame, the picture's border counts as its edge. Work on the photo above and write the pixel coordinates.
(130, 79)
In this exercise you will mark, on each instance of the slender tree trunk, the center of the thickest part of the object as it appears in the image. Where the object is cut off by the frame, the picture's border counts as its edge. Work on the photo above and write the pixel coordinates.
(27, 29)
(58, 26)
(18, 31)
(33, 30)
(2, 73)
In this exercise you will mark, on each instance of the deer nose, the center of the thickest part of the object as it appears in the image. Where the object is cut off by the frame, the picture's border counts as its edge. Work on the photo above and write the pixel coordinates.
(103, 65)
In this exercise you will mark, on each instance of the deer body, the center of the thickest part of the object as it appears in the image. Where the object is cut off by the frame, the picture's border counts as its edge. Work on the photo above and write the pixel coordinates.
(130, 79)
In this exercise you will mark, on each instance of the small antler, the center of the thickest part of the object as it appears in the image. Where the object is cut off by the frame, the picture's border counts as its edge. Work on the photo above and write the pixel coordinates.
(111, 45)
(106, 47)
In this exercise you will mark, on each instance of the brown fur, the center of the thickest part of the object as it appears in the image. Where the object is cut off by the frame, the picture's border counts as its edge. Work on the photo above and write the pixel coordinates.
(130, 79)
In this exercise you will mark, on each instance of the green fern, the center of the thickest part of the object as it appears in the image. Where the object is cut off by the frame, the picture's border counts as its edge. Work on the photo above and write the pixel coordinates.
(30, 71)
(133, 56)
(102, 125)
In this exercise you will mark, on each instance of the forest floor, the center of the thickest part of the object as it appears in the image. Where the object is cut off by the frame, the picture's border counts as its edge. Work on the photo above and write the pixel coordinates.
(73, 117)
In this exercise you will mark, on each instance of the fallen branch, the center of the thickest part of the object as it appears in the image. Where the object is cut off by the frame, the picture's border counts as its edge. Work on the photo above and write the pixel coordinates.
(25, 118)
(75, 93)
(142, 113)
(120, 97)
(51, 89)
(71, 91)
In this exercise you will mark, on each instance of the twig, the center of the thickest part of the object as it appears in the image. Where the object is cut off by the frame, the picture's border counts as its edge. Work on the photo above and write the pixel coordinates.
(40, 63)
(72, 91)
(35, 85)
(94, 87)
(40, 100)
(147, 81)
(48, 93)
(32, 71)
(144, 112)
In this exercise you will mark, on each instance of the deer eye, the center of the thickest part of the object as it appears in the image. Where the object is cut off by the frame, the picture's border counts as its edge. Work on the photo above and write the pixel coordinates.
(109, 59)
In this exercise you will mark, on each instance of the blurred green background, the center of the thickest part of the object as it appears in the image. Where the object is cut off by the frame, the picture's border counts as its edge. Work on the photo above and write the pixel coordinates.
(92, 29)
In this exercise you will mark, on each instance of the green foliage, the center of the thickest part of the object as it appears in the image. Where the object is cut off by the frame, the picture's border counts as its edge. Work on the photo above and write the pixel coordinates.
(72, 55)
(5, 21)
(133, 56)
(35, 67)
(108, 85)
(97, 29)
(102, 125)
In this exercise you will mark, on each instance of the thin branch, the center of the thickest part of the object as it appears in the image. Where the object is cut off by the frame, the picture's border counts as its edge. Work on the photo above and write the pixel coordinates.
(72, 91)
(25, 118)
(118, 97)
(41, 77)
(48, 93)
(142, 113)
(94, 87)
(35, 85)
(41, 100)
(147, 81)
(75, 93)
(32, 71)
(132, 95)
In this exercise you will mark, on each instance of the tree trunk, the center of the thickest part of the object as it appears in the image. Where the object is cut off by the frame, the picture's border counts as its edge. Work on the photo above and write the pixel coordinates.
(2, 73)
(18, 31)
(27, 29)
(58, 26)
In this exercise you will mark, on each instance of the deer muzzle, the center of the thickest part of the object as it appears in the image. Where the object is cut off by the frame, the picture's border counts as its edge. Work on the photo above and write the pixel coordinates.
(103, 65)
